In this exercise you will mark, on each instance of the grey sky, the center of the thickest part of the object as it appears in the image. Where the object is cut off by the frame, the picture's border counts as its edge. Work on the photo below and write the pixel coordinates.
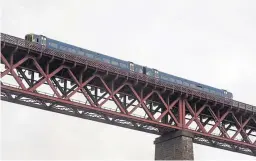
(212, 42)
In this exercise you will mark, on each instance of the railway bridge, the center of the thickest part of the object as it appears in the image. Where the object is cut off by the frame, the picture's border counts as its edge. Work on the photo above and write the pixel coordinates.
(46, 79)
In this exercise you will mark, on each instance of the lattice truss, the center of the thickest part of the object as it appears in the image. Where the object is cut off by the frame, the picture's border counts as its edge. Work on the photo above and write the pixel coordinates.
(83, 91)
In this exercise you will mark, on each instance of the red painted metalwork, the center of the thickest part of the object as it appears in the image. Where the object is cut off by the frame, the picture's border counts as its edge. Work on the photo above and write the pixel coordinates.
(140, 102)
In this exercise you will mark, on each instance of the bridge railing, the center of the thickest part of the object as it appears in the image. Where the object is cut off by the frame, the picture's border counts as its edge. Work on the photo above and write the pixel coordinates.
(137, 76)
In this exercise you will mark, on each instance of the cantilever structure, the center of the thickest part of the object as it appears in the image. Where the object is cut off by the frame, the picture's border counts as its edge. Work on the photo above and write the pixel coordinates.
(141, 103)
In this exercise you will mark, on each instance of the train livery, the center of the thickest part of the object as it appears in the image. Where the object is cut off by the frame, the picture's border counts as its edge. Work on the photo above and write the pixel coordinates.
(125, 65)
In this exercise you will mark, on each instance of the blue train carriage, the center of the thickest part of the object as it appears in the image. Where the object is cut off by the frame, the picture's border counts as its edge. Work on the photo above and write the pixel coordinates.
(53, 44)
(124, 65)
(168, 78)
(57, 45)
(113, 61)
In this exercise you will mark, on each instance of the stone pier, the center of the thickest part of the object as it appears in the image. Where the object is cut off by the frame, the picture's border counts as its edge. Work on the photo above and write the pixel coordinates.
(176, 145)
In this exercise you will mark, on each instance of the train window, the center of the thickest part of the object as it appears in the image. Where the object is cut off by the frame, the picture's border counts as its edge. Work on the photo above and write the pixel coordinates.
(43, 41)
(149, 72)
(192, 85)
(80, 52)
(98, 58)
(186, 84)
(199, 86)
(132, 67)
(206, 89)
(122, 65)
(138, 69)
(164, 77)
(114, 62)
(106, 60)
(178, 81)
(89, 55)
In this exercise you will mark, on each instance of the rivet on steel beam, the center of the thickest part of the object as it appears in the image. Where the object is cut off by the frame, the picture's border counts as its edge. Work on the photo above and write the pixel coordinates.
(172, 91)
(3, 46)
(191, 97)
(198, 100)
(15, 50)
(155, 91)
(206, 105)
(63, 61)
(106, 74)
(136, 82)
(116, 77)
(163, 90)
(51, 60)
(40, 56)
(96, 71)
(74, 65)
(222, 107)
(126, 82)
(127, 77)
(29, 48)
(17, 42)
(146, 84)
(85, 68)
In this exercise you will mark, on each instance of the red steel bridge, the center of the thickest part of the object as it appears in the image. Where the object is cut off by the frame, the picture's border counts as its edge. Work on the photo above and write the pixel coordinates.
(35, 76)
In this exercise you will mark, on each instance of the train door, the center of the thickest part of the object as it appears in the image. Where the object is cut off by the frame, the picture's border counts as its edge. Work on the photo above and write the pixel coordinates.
(144, 70)
(32, 38)
(156, 73)
(43, 40)
(225, 93)
(131, 67)
(35, 38)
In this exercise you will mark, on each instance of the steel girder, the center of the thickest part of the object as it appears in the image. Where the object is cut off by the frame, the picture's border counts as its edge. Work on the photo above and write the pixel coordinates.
(134, 104)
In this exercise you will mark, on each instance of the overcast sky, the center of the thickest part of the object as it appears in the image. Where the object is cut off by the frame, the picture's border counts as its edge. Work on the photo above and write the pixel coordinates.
(212, 42)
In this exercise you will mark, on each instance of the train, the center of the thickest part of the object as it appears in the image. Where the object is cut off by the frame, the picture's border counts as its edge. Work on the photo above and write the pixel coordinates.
(125, 65)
